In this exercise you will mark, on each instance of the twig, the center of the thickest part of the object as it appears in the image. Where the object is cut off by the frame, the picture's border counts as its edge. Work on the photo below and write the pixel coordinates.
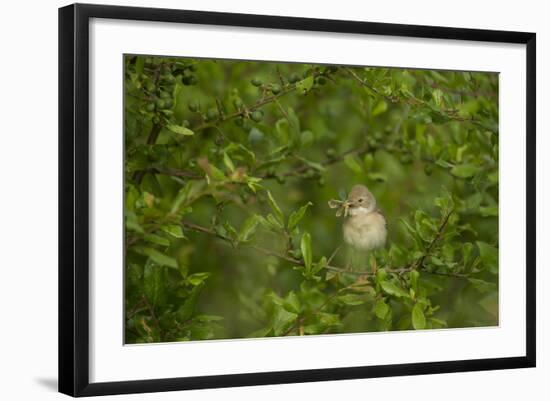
(265, 251)
(191, 175)
(151, 140)
(437, 237)
(334, 254)
(262, 102)
(450, 114)
(317, 310)
(153, 316)
(298, 262)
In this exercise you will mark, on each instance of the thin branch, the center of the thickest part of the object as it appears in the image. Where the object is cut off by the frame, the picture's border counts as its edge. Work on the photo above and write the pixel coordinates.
(317, 310)
(153, 316)
(298, 262)
(262, 102)
(366, 85)
(151, 140)
(450, 114)
(265, 251)
(437, 237)
(266, 176)
(174, 172)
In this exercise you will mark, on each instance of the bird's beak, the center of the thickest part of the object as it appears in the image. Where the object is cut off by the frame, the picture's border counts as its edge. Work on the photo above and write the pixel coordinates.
(348, 203)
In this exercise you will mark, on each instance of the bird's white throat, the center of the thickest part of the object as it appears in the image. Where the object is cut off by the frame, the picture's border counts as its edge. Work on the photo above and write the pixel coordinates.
(359, 211)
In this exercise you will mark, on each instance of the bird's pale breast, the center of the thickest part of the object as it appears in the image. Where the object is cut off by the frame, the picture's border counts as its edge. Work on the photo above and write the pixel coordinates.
(365, 231)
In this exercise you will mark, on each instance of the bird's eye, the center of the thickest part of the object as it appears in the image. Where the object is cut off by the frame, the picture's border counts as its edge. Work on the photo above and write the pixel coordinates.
(360, 200)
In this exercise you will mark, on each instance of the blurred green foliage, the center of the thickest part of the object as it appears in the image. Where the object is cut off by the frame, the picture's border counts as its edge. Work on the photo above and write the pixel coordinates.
(229, 166)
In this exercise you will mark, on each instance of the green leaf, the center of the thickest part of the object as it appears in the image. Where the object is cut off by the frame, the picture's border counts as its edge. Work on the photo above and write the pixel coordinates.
(140, 62)
(464, 170)
(211, 171)
(414, 275)
(294, 124)
(282, 130)
(489, 256)
(305, 85)
(153, 283)
(481, 285)
(249, 227)
(197, 278)
(246, 154)
(297, 215)
(156, 239)
(467, 249)
(316, 328)
(312, 164)
(174, 230)
(323, 262)
(381, 309)
(329, 319)
(305, 246)
(275, 208)
(351, 299)
(228, 162)
(437, 96)
(353, 164)
(490, 303)
(282, 320)
(209, 318)
(132, 224)
(489, 211)
(380, 108)
(392, 289)
(160, 258)
(190, 189)
(186, 310)
(418, 318)
(272, 223)
(291, 302)
(380, 177)
(306, 138)
(437, 323)
(178, 129)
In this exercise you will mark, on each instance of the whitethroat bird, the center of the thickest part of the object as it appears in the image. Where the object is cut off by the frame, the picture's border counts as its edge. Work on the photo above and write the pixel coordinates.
(364, 226)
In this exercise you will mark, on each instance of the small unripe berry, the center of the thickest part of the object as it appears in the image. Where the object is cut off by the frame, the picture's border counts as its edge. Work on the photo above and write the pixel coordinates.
(238, 103)
(212, 114)
(193, 106)
(293, 78)
(275, 89)
(257, 115)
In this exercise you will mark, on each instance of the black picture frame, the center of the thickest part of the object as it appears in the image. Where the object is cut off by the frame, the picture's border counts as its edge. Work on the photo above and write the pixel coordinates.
(74, 198)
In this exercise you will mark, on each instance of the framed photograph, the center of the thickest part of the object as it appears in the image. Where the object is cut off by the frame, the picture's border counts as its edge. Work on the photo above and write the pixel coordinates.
(249, 199)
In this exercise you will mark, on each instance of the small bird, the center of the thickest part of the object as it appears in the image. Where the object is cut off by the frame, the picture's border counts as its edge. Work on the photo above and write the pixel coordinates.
(364, 226)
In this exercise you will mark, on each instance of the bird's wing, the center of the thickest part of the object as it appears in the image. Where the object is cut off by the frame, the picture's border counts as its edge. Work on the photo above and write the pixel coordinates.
(381, 213)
